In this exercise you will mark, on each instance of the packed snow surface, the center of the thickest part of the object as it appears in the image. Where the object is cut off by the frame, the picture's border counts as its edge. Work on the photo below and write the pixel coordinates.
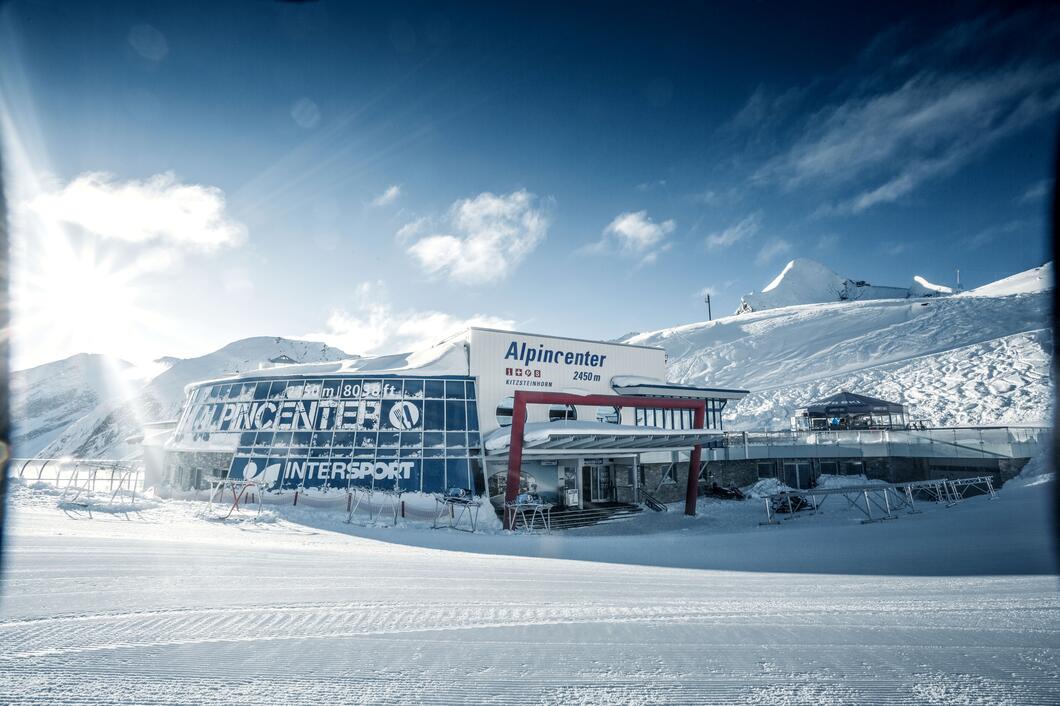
(159, 606)
(981, 357)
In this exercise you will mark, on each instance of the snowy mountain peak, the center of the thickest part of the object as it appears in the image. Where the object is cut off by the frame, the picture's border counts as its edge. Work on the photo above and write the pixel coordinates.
(806, 281)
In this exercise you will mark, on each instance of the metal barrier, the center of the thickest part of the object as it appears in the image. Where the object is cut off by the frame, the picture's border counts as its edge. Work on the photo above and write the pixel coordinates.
(885, 498)
(96, 473)
(947, 442)
(103, 484)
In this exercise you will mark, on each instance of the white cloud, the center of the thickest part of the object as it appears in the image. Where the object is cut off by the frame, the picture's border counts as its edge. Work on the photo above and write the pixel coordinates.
(884, 145)
(305, 113)
(148, 42)
(893, 247)
(773, 248)
(387, 197)
(411, 228)
(489, 236)
(373, 326)
(1037, 191)
(828, 241)
(160, 209)
(745, 228)
(1003, 231)
(635, 234)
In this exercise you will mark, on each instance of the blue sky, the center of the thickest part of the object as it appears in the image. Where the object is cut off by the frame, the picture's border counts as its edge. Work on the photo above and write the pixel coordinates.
(187, 174)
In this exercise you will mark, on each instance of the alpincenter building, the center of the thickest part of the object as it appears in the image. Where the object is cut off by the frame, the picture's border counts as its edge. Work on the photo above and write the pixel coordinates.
(600, 425)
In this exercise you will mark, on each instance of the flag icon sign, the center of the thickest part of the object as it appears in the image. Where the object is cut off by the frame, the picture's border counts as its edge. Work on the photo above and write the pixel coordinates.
(404, 415)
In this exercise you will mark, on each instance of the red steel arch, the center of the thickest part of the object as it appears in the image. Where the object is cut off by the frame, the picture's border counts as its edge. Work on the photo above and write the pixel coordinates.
(522, 399)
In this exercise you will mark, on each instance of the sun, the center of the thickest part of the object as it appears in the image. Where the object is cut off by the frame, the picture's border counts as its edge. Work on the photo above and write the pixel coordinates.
(67, 296)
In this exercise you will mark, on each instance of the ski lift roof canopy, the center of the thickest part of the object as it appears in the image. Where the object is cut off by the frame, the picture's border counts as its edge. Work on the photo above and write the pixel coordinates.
(846, 403)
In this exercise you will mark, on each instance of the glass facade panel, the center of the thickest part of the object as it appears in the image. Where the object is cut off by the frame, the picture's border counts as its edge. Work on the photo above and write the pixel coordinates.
(680, 418)
(412, 434)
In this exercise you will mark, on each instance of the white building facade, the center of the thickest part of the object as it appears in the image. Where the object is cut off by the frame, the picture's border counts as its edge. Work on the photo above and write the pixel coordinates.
(439, 419)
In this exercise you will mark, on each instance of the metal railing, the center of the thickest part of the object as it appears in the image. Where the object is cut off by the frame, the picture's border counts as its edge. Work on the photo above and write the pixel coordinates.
(945, 442)
(92, 474)
(885, 498)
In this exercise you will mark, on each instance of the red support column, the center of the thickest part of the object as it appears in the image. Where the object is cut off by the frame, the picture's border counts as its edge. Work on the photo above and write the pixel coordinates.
(692, 490)
(515, 454)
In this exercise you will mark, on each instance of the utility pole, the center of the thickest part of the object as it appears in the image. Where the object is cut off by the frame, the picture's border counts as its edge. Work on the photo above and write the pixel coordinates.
(706, 298)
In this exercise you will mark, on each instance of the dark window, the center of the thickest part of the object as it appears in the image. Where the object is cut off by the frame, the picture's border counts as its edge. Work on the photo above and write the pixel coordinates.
(562, 412)
(433, 476)
(434, 414)
(456, 473)
(414, 388)
(454, 389)
(434, 388)
(455, 419)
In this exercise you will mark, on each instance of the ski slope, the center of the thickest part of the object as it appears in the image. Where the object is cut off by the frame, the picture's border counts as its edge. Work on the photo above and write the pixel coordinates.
(953, 606)
(981, 357)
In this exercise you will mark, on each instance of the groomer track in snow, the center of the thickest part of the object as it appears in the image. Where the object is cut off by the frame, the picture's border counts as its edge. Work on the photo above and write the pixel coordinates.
(167, 608)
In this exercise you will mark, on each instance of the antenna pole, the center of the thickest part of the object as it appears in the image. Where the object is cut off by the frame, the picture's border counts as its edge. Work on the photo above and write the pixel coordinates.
(706, 298)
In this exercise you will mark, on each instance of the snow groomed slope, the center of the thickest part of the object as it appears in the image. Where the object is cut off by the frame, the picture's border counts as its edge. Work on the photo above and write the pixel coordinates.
(981, 357)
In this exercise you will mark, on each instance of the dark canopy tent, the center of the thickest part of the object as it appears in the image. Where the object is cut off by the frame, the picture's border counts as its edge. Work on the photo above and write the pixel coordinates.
(848, 410)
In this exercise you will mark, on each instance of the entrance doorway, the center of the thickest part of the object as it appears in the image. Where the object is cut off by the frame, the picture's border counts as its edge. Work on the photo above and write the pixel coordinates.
(598, 483)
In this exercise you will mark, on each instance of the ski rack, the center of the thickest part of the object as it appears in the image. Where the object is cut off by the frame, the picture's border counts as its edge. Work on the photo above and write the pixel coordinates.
(886, 498)
(86, 483)
(389, 500)
(239, 489)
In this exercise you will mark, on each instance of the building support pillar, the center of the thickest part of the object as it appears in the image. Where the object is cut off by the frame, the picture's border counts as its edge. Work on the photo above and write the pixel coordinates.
(692, 490)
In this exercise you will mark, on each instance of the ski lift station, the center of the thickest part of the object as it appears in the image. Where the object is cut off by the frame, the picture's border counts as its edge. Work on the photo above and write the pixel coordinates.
(591, 429)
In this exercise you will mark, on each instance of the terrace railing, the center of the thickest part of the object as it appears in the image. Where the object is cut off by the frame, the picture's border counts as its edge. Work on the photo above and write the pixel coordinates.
(947, 442)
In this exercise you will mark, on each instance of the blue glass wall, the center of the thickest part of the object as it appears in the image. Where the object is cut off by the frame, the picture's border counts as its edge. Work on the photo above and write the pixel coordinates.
(409, 433)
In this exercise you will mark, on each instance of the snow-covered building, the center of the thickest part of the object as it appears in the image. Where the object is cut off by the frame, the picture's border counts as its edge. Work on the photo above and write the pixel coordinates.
(607, 427)
(805, 281)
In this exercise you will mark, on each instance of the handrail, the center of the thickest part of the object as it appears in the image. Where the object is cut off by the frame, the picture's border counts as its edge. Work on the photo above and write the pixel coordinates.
(992, 441)
(652, 502)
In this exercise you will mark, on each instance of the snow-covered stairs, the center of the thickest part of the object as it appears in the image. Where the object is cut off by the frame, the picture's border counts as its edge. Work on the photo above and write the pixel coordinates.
(594, 515)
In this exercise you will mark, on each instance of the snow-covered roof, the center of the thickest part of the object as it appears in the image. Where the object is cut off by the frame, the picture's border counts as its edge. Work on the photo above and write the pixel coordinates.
(654, 387)
(599, 437)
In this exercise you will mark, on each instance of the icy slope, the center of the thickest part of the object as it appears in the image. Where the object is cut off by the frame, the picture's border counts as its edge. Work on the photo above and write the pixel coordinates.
(48, 398)
(805, 281)
(971, 358)
(102, 431)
